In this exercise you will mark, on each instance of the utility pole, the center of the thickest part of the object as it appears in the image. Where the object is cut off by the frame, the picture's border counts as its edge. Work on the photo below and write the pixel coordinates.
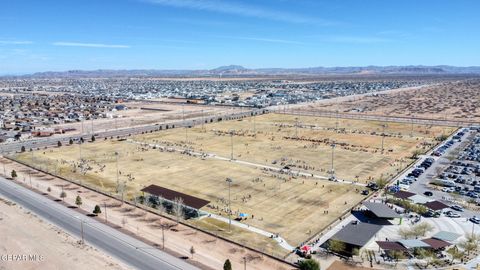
(332, 171)
(91, 117)
(244, 263)
(229, 181)
(82, 127)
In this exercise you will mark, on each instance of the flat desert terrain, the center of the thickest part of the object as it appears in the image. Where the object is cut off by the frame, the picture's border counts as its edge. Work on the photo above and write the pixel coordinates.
(457, 100)
(25, 234)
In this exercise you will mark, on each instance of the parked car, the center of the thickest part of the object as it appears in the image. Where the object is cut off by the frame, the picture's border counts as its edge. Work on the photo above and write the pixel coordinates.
(428, 193)
(457, 208)
(365, 192)
(452, 214)
(475, 220)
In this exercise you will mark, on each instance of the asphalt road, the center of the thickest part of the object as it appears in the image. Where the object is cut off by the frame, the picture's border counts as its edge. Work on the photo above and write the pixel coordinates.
(131, 251)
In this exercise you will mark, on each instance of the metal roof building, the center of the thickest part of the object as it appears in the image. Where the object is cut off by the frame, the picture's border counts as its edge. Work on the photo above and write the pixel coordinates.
(413, 243)
(171, 195)
(446, 236)
(381, 210)
(358, 234)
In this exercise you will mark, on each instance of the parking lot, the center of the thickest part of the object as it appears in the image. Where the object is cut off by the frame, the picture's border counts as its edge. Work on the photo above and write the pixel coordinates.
(450, 174)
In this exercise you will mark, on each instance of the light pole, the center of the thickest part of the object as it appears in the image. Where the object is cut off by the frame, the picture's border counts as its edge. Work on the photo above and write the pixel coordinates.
(254, 124)
(203, 121)
(105, 206)
(229, 181)
(231, 144)
(116, 160)
(296, 127)
(184, 124)
(383, 136)
(332, 171)
(81, 229)
(163, 235)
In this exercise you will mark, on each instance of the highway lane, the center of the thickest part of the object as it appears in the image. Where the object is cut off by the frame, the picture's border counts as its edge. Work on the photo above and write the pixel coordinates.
(131, 251)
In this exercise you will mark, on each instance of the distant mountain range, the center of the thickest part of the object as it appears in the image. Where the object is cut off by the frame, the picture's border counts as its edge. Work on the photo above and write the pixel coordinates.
(239, 71)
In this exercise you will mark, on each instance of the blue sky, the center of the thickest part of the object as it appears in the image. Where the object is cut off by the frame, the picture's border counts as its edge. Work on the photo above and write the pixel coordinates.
(201, 34)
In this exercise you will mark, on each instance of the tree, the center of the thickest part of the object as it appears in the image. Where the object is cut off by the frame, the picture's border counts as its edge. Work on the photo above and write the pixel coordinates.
(82, 140)
(336, 246)
(178, 208)
(22, 149)
(308, 264)
(49, 189)
(381, 182)
(78, 201)
(93, 138)
(14, 174)
(63, 195)
(70, 141)
(470, 243)
(97, 210)
(405, 233)
(192, 251)
(227, 265)
(455, 253)
(416, 153)
(422, 229)
(397, 255)
(59, 144)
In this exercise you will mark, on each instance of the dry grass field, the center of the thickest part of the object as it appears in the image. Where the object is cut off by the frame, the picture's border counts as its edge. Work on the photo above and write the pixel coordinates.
(278, 202)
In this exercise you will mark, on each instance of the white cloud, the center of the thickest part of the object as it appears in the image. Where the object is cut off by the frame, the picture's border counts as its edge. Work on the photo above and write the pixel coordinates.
(15, 42)
(229, 7)
(356, 39)
(89, 45)
(271, 40)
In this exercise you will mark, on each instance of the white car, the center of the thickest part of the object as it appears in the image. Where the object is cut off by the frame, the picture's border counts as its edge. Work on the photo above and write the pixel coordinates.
(475, 220)
(448, 189)
(452, 214)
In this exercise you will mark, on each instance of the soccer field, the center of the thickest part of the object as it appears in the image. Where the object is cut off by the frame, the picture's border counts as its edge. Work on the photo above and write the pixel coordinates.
(279, 202)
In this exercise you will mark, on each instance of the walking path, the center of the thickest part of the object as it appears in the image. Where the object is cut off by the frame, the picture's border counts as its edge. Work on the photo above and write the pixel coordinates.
(282, 242)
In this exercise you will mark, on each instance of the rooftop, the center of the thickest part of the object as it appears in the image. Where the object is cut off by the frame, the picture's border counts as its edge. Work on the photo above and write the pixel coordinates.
(357, 234)
(381, 210)
(171, 195)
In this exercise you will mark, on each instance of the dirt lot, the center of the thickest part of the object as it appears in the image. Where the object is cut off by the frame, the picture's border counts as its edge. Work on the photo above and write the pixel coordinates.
(25, 234)
(449, 100)
(261, 193)
(143, 113)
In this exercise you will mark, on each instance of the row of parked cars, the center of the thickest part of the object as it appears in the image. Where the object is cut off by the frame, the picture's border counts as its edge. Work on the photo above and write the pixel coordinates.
(417, 171)
(440, 151)
(472, 151)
